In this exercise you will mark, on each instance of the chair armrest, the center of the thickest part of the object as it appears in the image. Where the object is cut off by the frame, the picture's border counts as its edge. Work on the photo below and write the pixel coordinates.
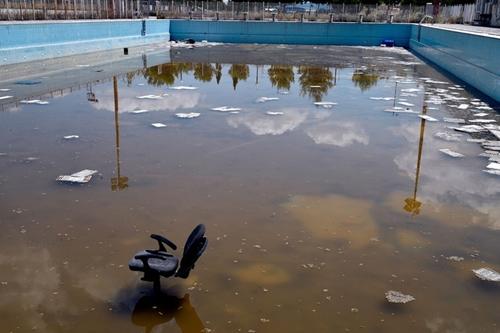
(161, 240)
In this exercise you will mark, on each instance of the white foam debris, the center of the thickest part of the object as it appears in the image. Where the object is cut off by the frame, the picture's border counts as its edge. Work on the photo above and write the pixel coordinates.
(400, 110)
(326, 105)
(406, 104)
(139, 111)
(408, 95)
(83, 65)
(493, 172)
(494, 166)
(451, 153)
(476, 140)
(454, 120)
(448, 136)
(455, 258)
(382, 98)
(158, 125)
(183, 88)
(487, 274)
(71, 137)
(34, 101)
(480, 114)
(5, 97)
(188, 115)
(149, 97)
(313, 87)
(483, 121)
(275, 113)
(435, 81)
(79, 177)
(469, 129)
(397, 297)
(225, 109)
(463, 106)
(266, 99)
(4, 89)
(483, 107)
(426, 117)
(495, 133)
(410, 90)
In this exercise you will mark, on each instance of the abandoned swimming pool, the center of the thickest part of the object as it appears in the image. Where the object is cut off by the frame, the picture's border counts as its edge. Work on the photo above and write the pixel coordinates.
(320, 186)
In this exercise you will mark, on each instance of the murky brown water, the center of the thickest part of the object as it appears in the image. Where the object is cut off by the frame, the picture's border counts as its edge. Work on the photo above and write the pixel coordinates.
(305, 211)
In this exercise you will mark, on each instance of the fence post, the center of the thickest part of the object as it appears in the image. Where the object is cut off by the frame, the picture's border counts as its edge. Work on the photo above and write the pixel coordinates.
(232, 10)
(360, 18)
(331, 17)
(33, 8)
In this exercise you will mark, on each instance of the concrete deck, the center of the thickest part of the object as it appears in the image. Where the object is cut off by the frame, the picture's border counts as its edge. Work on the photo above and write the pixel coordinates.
(472, 29)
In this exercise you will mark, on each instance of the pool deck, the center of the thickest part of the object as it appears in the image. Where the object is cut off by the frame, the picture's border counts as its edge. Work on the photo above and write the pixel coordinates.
(470, 29)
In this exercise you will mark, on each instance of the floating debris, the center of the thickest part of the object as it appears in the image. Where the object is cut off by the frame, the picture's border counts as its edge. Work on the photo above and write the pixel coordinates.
(455, 258)
(382, 98)
(397, 297)
(71, 137)
(400, 110)
(426, 117)
(406, 104)
(454, 120)
(183, 88)
(448, 136)
(158, 125)
(80, 177)
(266, 99)
(493, 172)
(149, 97)
(34, 101)
(314, 87)
(476, 140)
(5, 97)
(139, 111)
(469, 129)
(4, 89)
(482, 121)
(494, 166)
(326, 105)
(410, 90)
(226, 109)
(480, 114)
(463, 106)
(450, 152)
(483, 107)
(275, 113)
(188, 115)
(487, 274)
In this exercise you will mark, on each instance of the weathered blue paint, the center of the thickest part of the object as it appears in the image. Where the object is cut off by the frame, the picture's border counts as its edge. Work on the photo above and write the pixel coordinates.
(366, 34)
(21, 42)
(474, 59)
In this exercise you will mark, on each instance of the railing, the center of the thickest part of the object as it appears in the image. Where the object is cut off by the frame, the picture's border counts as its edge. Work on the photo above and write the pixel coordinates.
(217, 10)
(209, 10)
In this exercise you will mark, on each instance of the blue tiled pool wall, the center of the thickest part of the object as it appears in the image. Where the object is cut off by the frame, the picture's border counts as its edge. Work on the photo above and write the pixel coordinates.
(41, 40)
(472, 58)
(368, 34)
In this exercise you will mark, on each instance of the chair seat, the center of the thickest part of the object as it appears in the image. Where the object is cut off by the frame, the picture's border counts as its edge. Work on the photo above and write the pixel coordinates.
(165, 267)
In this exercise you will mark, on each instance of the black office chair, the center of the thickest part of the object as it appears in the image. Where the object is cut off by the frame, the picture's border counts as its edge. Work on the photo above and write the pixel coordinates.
(157, 263)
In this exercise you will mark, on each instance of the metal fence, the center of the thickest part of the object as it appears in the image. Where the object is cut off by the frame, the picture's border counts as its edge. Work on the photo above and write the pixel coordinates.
(209, 10)
(217, 10)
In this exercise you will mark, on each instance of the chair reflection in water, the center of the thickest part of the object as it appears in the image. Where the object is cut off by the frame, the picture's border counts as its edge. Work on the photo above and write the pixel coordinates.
(151, 311)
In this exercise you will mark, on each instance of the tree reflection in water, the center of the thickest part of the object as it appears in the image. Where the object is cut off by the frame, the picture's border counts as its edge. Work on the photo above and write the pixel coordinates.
(203, 72)
(315, 81)
(281, 76)
(239, 72)
(166, 74)
(364, 79)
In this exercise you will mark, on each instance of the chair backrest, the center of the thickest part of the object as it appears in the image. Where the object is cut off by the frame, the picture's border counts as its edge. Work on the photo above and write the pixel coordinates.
(194, 248)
